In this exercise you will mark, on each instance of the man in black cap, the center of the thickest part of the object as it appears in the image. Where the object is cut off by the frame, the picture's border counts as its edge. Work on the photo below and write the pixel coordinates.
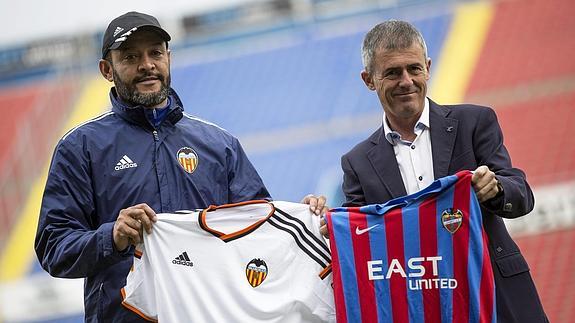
(110, 175)
(145, 34)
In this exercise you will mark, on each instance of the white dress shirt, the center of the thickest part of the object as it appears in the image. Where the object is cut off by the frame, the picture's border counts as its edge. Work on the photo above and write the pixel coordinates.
(414, 159)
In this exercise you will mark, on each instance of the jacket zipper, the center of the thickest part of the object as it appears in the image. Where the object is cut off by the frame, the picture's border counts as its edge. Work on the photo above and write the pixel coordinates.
(100, 312)
(158, 177)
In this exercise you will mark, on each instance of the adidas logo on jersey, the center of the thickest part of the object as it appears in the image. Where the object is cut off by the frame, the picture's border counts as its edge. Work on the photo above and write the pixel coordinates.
(125, 162)
(183, 259)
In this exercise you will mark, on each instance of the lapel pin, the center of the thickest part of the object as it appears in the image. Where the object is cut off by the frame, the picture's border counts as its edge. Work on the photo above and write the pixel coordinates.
(449, 129)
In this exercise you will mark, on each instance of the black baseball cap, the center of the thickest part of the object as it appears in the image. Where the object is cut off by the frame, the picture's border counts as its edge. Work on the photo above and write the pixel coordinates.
(123, 26)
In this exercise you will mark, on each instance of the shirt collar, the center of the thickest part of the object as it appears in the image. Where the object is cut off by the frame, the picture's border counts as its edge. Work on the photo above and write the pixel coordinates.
(423, 123)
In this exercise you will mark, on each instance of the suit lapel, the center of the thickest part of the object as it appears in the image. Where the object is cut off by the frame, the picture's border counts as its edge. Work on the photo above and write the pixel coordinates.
(443, 133)
(382, 159)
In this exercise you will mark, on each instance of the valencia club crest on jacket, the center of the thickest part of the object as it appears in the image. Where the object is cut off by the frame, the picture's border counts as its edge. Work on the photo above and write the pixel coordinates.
(451, 219)
(256, 272)
(188, 159)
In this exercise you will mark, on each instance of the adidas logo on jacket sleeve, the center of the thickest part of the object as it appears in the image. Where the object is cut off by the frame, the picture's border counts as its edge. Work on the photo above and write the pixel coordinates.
(249, 262)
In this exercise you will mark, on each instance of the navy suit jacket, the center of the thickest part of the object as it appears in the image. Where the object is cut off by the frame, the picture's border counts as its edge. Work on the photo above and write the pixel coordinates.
(463, 137)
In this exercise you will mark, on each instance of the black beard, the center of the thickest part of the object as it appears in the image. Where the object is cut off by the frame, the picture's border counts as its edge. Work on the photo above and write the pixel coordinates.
(129, 94)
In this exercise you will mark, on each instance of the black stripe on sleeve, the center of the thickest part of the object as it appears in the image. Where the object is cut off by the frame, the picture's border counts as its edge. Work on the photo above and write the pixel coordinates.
(272, 221)
(325, 254)
(319, 241)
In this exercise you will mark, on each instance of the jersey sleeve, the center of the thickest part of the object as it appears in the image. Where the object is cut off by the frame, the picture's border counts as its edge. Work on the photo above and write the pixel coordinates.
(324, 306)
(139, 295)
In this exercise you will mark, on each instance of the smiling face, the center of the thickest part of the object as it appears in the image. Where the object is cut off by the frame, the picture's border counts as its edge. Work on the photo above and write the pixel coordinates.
(140, 69)
(399, 77)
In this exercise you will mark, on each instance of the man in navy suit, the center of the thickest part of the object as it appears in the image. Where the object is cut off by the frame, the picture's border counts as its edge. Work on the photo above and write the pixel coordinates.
(420, 141)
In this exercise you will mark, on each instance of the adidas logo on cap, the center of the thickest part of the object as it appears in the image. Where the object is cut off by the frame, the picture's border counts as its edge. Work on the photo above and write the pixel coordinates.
(183, 259)
(125, 162)
(118, 30)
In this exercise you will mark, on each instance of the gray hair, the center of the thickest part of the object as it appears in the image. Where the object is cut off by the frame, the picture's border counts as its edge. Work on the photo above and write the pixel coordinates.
(390, 35)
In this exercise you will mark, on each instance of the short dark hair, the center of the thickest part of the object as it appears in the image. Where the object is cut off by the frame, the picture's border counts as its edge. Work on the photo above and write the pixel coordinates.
(108, 57)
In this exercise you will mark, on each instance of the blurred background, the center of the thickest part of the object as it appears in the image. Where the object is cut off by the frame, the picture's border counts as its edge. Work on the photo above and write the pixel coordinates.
(283, 76)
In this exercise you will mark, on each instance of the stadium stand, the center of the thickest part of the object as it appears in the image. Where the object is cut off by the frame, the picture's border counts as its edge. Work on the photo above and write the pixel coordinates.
(542, 149)
(549, 256)
(315, 79)
(32, 116)
(526, 72)
(301, 88)
(529, 41)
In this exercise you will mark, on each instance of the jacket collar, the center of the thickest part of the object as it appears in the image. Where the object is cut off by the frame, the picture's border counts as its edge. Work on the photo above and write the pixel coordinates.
(137, 115)
(443, 131)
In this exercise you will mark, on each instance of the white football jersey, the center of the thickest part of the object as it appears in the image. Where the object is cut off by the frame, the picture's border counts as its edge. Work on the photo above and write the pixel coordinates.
(248, 262)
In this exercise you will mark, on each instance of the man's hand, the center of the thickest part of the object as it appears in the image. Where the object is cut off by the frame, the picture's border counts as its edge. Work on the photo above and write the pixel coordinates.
(484, 183)
(318, 207)
(129, 224)
(316, 204)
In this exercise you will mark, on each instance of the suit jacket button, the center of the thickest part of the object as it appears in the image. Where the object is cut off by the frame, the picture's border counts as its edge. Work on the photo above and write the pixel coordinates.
(508, 207)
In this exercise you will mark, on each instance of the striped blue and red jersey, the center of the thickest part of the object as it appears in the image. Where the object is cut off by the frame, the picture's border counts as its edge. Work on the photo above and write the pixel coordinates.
(417, 258)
